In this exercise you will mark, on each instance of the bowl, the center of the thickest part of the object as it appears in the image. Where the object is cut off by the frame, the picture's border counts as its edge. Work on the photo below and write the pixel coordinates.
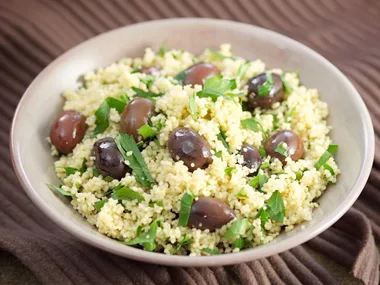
(42, 101)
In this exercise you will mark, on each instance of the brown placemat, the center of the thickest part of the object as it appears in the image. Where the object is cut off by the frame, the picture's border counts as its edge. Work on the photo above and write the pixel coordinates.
(33, 33)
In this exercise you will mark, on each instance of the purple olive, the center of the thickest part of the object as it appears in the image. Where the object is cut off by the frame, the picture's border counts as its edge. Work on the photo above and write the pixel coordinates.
(187, 145)
(108, 159)
(209, 213)
(149, 69)
(199, 72)
(135, 115)
(294, 145)
(252, 158)
(276, 92)
(68, 130)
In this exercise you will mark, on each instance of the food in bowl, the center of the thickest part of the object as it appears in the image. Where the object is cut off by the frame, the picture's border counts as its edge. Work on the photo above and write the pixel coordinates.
(193, 155)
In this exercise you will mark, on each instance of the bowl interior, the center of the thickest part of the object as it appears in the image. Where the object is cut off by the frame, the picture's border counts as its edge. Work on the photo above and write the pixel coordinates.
(352, 128)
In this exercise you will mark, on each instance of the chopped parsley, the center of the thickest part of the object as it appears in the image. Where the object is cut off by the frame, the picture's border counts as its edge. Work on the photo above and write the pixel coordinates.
(69, 170)
(265, 164)
(193, 107)
(59, 189)
(146, 239)
(162, 50)
(125, 144)
(250, 124)
(241, 194)
(229, 170)
(83, 168)
(287, 87)
(243, 69)
(290, 114)
(219, 154)
(222, 137)
(210, 251)
(184, 212)
(185, 241)
(259, 181)
(282, 149)
(108, 178)
(238, 227)
(262, 151)
(265, 88)
(276, 120)
(264, 216)
(99, 205)
(239, 243)
(126, 193)
(146, 94)
(329, 168)
(299, 175)
(331, 150)
(102, 113)
(147, 131)
(181, 76)
(216, 86)
(276, 207)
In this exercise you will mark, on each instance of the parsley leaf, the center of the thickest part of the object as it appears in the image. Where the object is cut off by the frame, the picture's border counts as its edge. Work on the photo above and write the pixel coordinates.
(59, 189)
(83, 168)
(290, 114)
(146, 94)
(216, 86)
(126, 143)
(287, 87)
(101, 118)
(239, 243)
(219, 154)
(229, 170)
(332, 149)
(299, 175)
(262, 151)
(184, 212)
(329, 168)
(185, 241)
(147, 239)
(265, 164)
(238, 227)
(264, 217)
(265, 88)
(146, 131)
(222, 137)
(210, 251)
(181, 76)
(276, 207)
(250, 124)
(193, 107)
(259, 181)
(115, 103)
(162, 50)
(282, 149)
(243, 69)
(241, 194)
(126, 193)
(69, 170)
(99, 205)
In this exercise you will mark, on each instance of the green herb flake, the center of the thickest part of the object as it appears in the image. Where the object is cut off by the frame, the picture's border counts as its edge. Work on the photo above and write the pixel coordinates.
(276, 120)
(290, 114)
(332, 149)
(238, 227)
(210, 251)
(264, 217)
(250, 124)
(184, 212)
(229, 171)
(124, 98)
(265, 89)
(329, 168)
(243, 69)
(258, 182)
(99, 205)
(69, 170)
(126, 143)
(126, 193)
(108, 179)
(181, 76)
(162, 50)
(241, 194)
(216, 86)
(222, 137)
(59, 189)
(193, 107)
(147, 239)
(147, 131)
(299, 175)
(218, 54)
(263, 153)
(95, 173)
(287, 87)
(115, 103)
(101, 118)
(185, 241)
(219, 154)
(282, 149)
(146, 94)
(83, 168)
(276, 207)
(265, 164)
(239, 243)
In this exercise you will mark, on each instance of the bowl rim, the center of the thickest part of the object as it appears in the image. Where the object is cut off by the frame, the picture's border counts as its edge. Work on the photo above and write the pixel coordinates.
(215, 260)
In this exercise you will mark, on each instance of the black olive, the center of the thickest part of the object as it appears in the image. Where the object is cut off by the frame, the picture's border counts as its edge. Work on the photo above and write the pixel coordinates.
(108, 159)
(199, 72)
(135, 115)
(187, 145)
(209, 213)
(276, 93)
(252, 158)
(149, 69)
(294, 145)
(68, 130)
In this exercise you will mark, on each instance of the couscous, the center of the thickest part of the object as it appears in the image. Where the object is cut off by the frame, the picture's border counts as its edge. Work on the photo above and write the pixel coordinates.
(191, 155)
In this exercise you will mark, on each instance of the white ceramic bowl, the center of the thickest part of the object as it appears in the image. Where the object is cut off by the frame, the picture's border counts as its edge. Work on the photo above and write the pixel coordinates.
(352, 127)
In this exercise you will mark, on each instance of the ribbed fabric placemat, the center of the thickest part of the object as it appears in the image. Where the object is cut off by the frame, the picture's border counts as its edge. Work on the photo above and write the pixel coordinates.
(33, 33)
